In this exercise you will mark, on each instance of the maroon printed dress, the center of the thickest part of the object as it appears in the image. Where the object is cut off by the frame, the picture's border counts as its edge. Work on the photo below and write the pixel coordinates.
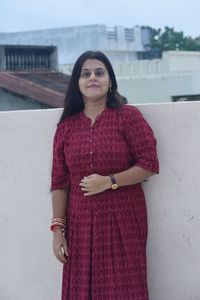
(107, 232)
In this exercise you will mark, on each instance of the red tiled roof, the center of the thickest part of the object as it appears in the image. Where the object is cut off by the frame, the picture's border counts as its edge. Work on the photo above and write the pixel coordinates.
(46, 87)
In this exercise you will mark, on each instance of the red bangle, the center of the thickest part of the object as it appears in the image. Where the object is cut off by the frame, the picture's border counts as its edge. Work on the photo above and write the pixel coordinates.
(55, 226)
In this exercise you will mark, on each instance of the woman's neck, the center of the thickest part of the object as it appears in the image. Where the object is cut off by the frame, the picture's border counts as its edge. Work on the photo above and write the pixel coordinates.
(94, 109)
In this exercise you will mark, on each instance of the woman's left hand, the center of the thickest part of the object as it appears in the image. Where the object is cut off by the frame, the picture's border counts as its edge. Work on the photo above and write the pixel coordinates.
(94, 184)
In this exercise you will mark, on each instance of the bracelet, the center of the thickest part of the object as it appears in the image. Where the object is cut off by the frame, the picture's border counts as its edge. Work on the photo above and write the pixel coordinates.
(55, 226)
(62, 220)
(58, 223)
(58, 219)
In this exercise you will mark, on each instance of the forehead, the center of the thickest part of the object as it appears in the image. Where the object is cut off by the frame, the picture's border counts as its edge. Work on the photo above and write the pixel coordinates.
(93, 64)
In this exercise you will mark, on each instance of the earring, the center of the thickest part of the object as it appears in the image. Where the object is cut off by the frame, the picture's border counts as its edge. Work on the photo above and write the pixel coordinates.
(110, 88)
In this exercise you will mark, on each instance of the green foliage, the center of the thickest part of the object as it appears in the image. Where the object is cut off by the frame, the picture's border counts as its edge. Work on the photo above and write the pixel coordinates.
(169, 39)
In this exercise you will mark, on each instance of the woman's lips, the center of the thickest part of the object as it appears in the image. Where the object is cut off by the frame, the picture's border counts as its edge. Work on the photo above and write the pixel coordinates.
(93, 86)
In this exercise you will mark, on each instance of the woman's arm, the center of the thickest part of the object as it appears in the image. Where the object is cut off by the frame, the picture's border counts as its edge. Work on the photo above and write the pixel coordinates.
(60, 182)
(59, 204)
(132, 176)
(95, 183)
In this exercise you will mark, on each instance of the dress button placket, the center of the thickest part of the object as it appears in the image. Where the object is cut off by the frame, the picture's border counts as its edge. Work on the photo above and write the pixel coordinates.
(91, 146)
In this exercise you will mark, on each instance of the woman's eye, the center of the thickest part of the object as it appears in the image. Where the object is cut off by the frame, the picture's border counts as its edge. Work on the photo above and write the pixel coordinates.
(99, 73)
(85, 74)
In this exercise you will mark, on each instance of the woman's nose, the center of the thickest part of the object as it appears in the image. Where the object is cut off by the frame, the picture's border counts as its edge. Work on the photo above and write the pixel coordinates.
(92, 76)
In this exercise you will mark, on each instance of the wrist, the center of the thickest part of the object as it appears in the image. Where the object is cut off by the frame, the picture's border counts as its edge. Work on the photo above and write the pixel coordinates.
(108, 182)
(58, 229)
(114, 184)
(58, 223)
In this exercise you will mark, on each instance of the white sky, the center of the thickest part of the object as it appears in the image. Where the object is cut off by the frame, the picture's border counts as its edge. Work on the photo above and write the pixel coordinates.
(21, 15)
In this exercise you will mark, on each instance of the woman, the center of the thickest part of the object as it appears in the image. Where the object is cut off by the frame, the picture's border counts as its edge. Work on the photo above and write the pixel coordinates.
(102, 152)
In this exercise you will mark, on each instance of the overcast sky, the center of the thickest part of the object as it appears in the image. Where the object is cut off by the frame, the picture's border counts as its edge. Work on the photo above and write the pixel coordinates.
(21, 15)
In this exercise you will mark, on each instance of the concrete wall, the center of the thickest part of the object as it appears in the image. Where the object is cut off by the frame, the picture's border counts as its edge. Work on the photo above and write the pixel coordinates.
(172, 62)
(158, 89)
(28, 267)
(158, 80)
(184, 60)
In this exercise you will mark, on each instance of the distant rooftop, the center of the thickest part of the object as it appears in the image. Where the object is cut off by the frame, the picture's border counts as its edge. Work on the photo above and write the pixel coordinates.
(45, 87)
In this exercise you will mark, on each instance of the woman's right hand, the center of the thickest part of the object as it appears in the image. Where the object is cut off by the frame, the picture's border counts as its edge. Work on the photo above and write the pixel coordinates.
(60, 245)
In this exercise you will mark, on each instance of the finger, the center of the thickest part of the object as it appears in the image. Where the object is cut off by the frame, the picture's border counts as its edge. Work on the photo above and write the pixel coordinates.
(83, 183)
(60, 256)
(84, 179)
(59, 251)
(90, 176)
(61, 260)
(65, 248)
(56, 250)
(89, 194)
(85, 189)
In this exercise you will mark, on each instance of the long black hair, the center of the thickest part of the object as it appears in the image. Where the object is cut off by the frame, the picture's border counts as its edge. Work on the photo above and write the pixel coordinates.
(73, 99)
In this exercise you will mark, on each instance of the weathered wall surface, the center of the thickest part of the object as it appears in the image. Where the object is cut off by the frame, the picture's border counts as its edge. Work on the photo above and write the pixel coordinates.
(28, 267)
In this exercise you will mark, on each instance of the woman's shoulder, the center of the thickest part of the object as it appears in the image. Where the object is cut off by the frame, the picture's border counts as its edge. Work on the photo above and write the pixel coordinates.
(68, 121)
(65, 126)
(129, 111)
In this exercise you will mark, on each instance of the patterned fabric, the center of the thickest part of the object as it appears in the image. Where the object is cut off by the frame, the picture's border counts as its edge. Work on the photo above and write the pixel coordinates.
(107, 232)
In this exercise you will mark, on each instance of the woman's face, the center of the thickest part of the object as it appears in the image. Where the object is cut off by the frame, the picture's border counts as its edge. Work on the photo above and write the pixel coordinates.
(94, 81)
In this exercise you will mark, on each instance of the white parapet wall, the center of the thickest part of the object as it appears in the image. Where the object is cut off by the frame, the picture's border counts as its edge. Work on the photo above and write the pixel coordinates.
(158, 80)
(28, 269)
(158, 89)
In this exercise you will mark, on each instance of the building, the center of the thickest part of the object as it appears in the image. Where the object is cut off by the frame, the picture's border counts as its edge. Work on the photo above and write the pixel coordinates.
(174, 77)
(23, 57)
(32, 90)
(29, 78)
(119, 43)
(141, 77)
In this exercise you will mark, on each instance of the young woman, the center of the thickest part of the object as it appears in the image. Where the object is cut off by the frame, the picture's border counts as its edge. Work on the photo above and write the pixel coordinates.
(103, 150)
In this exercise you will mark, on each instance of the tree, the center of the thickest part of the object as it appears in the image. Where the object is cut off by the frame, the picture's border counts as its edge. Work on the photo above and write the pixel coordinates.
(169, 39)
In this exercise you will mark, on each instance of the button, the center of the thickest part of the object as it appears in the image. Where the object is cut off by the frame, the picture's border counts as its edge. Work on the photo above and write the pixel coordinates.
(90, 152)
(91, 165)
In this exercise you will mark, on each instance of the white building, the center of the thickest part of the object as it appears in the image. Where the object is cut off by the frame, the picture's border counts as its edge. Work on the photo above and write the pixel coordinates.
(175, 77)
(119, 43)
